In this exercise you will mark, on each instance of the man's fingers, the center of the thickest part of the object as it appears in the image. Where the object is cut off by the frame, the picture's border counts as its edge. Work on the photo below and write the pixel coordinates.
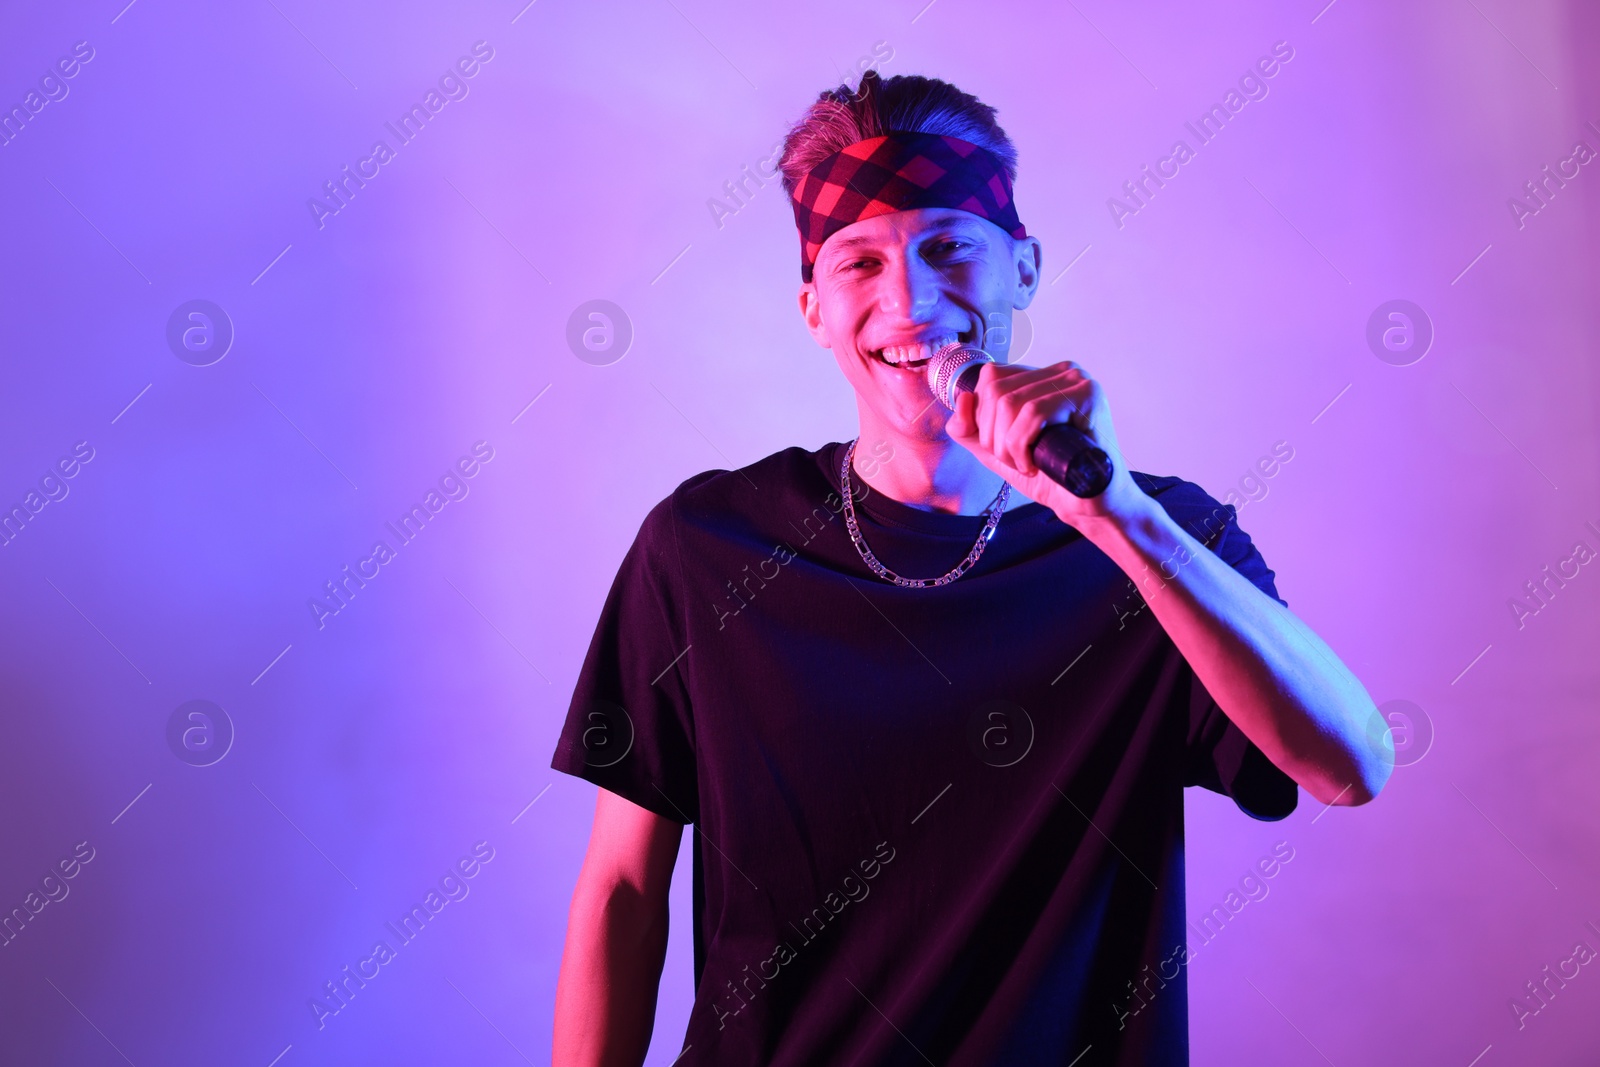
(1027, 410)
(985, 399)
(960, 425)
(995, 384)
(1011, 405)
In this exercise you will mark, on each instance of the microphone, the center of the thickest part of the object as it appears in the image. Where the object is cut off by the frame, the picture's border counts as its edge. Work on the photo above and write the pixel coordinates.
(1062, 451)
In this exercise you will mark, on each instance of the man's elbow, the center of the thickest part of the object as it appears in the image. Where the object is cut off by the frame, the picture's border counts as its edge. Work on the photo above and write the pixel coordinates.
(1358, 780)
(620, 912)
(1378, 769)
(1352, 767)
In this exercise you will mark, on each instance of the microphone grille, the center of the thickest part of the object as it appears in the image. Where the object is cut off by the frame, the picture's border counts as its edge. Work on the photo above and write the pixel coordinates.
(946, 366)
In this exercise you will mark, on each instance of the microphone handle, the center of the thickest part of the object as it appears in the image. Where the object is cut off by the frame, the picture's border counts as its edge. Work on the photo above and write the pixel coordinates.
(1070, 459)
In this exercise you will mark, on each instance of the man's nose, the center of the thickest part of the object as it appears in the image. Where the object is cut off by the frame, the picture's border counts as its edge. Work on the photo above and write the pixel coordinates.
(910, 288)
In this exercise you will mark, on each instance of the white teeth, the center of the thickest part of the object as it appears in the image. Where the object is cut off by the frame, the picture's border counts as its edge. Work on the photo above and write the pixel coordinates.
(915, 353)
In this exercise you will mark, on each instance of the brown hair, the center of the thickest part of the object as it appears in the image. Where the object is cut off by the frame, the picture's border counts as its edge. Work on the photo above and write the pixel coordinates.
(905, 103)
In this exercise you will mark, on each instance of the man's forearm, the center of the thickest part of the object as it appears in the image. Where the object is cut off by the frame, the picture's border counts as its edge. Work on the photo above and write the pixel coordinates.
(1276, 680)
(610, 972)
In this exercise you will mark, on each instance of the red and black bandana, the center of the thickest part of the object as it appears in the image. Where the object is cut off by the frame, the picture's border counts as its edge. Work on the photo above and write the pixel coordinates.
(899, 172)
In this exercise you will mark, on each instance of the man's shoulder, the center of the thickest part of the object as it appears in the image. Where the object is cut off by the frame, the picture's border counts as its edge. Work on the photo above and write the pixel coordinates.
(1172, 490)
(769, 486)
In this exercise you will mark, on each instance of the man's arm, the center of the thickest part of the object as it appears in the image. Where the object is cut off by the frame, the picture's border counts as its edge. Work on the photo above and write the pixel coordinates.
(616, 938)
(1276, 680)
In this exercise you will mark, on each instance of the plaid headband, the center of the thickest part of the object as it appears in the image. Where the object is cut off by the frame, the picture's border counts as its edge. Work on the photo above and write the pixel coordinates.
(899, 172)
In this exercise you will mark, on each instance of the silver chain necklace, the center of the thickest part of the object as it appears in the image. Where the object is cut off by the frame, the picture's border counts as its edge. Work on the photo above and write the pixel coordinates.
(984, 536)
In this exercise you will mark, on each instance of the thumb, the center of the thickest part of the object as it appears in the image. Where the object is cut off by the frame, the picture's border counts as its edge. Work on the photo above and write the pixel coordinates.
(961, 423)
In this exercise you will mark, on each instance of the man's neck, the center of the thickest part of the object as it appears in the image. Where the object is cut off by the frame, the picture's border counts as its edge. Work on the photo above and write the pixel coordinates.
(928, 474)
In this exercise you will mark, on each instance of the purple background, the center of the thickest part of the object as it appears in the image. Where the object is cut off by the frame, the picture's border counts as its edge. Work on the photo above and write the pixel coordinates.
(1223, 317)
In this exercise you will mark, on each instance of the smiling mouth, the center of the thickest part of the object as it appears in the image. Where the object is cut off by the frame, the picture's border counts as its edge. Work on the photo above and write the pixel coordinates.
(912, 357)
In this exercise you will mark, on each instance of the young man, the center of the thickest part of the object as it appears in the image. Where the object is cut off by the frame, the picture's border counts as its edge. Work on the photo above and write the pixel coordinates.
(930, 714)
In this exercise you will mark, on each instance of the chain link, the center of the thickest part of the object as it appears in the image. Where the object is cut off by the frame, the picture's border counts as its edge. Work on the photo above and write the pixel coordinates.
(984, 536)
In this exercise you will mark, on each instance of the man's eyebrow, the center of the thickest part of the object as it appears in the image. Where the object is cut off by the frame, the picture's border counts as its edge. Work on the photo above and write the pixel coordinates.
(937, 224)
(852, 242)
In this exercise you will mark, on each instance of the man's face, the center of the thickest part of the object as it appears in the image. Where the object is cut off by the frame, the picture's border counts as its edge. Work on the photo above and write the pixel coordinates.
(887, 291)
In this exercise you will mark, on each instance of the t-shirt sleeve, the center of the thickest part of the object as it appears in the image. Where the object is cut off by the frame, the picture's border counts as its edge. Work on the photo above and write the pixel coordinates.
(630, 728)
(1219, 756)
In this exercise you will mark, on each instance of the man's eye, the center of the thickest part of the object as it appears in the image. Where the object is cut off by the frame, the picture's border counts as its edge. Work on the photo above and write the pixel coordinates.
(949, 245)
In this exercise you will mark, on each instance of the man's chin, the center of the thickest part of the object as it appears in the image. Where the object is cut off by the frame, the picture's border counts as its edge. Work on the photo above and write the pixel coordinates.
(902, 398)
(916, 413)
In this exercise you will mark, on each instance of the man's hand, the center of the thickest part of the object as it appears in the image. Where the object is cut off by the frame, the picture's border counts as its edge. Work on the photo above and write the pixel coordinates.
(1001, 420)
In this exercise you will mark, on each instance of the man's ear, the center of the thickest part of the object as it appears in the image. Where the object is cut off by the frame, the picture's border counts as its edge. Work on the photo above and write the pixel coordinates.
(1029, 263)
(811, 311)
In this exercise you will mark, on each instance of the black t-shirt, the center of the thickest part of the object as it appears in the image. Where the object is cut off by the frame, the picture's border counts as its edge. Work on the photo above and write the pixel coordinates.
(937, 825)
